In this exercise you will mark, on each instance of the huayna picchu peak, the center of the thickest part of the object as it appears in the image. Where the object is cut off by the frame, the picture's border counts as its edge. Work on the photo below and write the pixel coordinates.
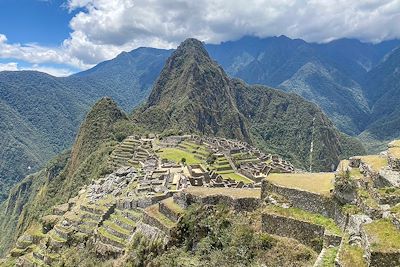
(208, 171)
(193, 94)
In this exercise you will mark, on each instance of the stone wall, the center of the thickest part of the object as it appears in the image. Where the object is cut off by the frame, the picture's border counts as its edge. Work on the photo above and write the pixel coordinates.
(133, 203)
(170, 214)
(312, 202)
(306, 233)
(184, 199)
(155, 223)
(394, 163)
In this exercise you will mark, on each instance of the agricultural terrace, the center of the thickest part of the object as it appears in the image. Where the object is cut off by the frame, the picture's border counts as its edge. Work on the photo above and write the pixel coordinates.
(320, 183)
(376, 162)
(232, 192)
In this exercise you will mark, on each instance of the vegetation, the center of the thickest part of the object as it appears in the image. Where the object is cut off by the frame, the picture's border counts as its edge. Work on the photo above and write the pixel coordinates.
(176, 155)
(236, 177)
(351, 255)
(376, 162)
(329, 258)
(383, 235)
(367, 198)
(300, 214)
(213, 236)
(35, 196)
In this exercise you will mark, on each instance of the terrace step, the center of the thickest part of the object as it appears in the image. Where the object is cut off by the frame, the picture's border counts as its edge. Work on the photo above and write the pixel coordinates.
(116, 230)
(123, 222)
(56, 241)
(90, 215)
(170, 209)
(107, 238)
(153, 217)
(29, 260)
(62, 231)
(134, 215)
(93, 208)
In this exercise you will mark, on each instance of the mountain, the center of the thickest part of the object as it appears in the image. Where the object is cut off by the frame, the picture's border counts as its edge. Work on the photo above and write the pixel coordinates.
(40, 114)
(326, 74)
(342, 77)
(39, 118)
(193, 94)
(36, 194)
(382, 87)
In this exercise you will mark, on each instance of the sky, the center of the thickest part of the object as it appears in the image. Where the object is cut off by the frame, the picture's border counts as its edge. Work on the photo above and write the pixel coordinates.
(62, 37)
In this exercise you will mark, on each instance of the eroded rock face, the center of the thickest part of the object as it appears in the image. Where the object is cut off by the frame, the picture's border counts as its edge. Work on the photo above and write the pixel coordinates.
(346, 196)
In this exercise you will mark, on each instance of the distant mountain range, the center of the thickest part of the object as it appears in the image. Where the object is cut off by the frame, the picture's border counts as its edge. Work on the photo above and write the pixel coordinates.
(356, 84)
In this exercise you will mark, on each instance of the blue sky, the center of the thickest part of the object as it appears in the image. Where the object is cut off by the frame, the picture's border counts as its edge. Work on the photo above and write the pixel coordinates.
(44, 22)
(61, 37)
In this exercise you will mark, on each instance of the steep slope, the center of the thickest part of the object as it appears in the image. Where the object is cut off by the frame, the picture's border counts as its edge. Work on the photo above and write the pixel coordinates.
(328, 74)
(193, 94)
(41, 113)
(34, 196)
(38, 118)
(341, 98)
(127, 78)
(383, 90)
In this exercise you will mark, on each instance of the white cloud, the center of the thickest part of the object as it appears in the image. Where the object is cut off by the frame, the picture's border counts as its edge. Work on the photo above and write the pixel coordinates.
(12, 66)
(58, 72)
(103, 28)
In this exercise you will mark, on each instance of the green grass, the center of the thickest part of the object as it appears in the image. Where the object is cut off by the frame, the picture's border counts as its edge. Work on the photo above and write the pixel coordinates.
(329, 257)
(351, 256)
(383, 235)
(123, 219)
(320, 183)
(235, 176)
(176, 155)
(104, 233)
(351, 209)
(303, 215)
(368, 200)
(116, 227)
(57, 238)
(389, 191)
(376, 162)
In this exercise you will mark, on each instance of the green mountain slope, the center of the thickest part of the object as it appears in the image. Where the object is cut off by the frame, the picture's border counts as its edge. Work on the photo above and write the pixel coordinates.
(39, 118)
(383, 90)
(41, 113)
(193, 94)
(36, 194)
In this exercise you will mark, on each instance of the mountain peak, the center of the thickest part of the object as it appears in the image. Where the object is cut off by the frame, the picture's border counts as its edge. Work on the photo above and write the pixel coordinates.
(191, 43)
(188, 72)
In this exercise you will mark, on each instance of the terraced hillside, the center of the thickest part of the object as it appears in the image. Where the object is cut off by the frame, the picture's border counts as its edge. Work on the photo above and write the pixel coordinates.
(152, 212)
